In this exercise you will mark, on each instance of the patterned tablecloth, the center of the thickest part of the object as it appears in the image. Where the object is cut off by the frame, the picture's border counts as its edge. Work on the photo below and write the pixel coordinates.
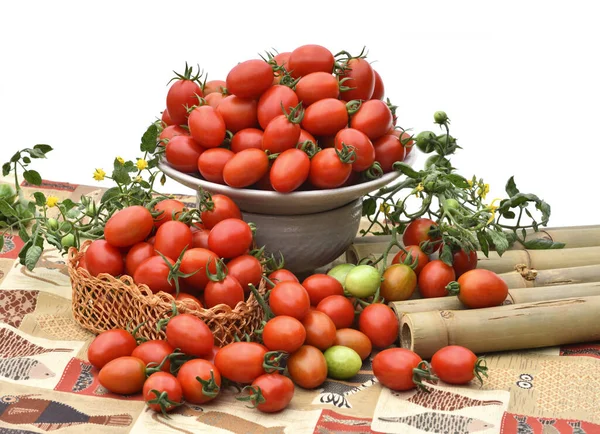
(47, 384)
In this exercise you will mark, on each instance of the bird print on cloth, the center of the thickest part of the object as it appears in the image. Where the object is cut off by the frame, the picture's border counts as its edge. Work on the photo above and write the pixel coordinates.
(23, 368)
(440, 423)
(13, 345)
(337, 392)
(51, 415)
(548, 426)
(437, 399)
(577, 427)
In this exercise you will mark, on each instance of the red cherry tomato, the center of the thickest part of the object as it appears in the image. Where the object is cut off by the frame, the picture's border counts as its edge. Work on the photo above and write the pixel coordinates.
(289, 298)
(416, 254)
(110, 345)
(154, 351)
(361, 78)
(339, 309)
(222, 208)
(481, 288)
(137, 254)
(227, 291)
(281, 134)
(455, 364)
(214, 99)
(171, 209)
(418, 231)
(327, 170)
(284, 333)
(320, 329)
(238, 113)
(320, 286)
(128, 226)
(270, 102)
(373, 118)
(241, 362)
(325, 117)
(246, 139)
(182, 153)
(388, 150)
(379, 322)
(102, 257)
(394, 368)
(214, 86)
(190, 334)
(250, 79)
(433, 279)
(123, 375)
(230, 238)
(182, 94)
(237, 172)
(211, 164)
(379, 89)
(354, 339)
(282, 275)
(276, 391)
(360, 143)
(247, 270)
(157, 384)
(305, 135)
(463, 262)
(310, 58)
(307, 367)
(290, 170)
(172, 238)
(166, 118)
(154, 272)
(207, 126)
(200, 238)
(186, 296)
(194, 390)
(196, 260)
(317, 86)
(171, 131)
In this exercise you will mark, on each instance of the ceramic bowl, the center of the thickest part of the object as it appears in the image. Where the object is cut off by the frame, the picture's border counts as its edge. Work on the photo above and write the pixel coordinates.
(295, 203)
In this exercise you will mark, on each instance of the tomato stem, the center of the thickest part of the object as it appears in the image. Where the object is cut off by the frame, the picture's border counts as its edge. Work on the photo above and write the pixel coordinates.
(268, 313)
(480, 369)
(221, 270)
(255, 396)
(374, 172)
(163, 401)
(423, 372)
(210, 387)
(274, 361)
(188, 74)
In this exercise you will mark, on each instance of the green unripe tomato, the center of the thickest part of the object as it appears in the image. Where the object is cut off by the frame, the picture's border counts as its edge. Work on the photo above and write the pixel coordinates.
(424, 141)
(440, 117)
(362, 281)
(339, 272)
(451, 205)
(52, 224)
(68, 241)
(439, 161)
(342, 362)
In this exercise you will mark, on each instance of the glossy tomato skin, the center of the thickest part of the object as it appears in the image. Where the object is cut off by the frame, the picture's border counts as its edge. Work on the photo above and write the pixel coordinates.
(191, 387)
(102, 257)
(162, 382)
(228, 291)
(241, 362)
(418, 231)
(463, 262)
(207, 126)
(214, 86)
(327, 170)
(250, 79)
(405, 139)
(317, 86)
(154, 352)
(310, 58)
(280, 135)
(433, 279)
(182, 153)
(361, 78)
(379, 89)
(171, 131)
(339, 309)
(304, 136)
(379, 322)
(182, 94)
(245, 139)
(170, 208)
(360, 143)
(388, 150)
(190, 334)
(110, 345)
(124, 375)
(284, 333)
(320, 286)
(289, 170)
(289, 298)
(172, 238)
(416, 254)
(373, 118)
(320, 329)
(277, 391)
(211, 164)
(196, 260)
(454, 364)
(166, 118)
(394, 368)
(154, 272)
(354, 339)
(223, 208)
(282, 275)
(230, 238)
(136, 255)
(200, 238)
(270, 102)
(128, 226)
(185, 296)
(238, 113)
(214, 99)
(246, 168)
(482, 288)
(247, 269)
(325, 117)
(399, 283)
(307, 367)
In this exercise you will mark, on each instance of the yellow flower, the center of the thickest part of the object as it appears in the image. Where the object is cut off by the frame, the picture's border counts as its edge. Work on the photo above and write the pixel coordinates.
(483, 191)
(470, 181)
(137, 179)
(51, 201)
(120, 160)
(492, 208)
(418, 189)
(99, 174)
(384, 208)
(141, 164)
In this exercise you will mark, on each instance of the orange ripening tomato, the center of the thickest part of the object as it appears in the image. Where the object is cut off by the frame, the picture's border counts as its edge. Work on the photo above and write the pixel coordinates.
(307, 367)
(320, 329)
(480, 288)
(416, 254)
(250, 79)
(354, 339)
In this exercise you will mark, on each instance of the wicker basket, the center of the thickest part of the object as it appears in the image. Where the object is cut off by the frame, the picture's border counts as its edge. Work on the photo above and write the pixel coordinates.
(105, 302)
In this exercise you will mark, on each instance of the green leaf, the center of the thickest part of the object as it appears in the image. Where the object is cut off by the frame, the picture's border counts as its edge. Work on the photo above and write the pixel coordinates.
(511, 187)
(6, 209)
(44, 148)
(483, 243)
(500, 241)
(446, 255)
(36, 153)
(23, 234)
(544, 208)
(40, 198)
(32, 177)
(542, 243)
(406, 169)
(369, 207)
(73, 213)
(16, 157)
(110, 194)
(121, 175)
(23, 251)
(149, 139)
(144, 184)
(32, 256)
(1, 241)
(26, 160)
(511, 237)
(68, 204)
(457, 180)
(508, 215)
(521, 198)
(6, 169)
(54, 241)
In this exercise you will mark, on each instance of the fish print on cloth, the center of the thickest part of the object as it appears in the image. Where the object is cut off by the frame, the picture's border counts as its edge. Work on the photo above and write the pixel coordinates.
(12, 246)
(332, 422)
(15, 431)
(521, 424)
(338, 393)
(12, 344)
(15, 304)
(24, 368)
(81, 377)
(50, 275)
(51, 415)
(582, 350)
(451, 408)
(226, 415)
(438, 399)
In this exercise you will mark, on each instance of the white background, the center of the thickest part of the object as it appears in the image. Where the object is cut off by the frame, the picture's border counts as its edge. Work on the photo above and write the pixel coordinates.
(519, 80)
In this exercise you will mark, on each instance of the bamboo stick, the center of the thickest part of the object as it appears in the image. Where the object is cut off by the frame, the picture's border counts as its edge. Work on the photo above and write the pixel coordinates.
(557, 276)
(503, 328)
(515, 296)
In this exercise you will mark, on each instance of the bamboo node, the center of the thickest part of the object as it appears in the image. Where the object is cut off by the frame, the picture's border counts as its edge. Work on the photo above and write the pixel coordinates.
(446, 314)
(526, 272)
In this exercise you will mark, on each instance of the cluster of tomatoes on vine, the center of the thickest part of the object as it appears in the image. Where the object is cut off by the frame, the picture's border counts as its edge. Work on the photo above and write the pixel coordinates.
(304, 119)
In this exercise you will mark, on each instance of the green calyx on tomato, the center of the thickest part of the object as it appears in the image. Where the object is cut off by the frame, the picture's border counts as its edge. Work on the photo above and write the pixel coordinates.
(423, 372)
(188, 74)
(353, 106)
(440, 117)
(309, 147)
(210, 388)
(274, 361)
(347, 154)
(163, 401)
(221, 271)
(374, 172)
(255, 396)
(453, 288)
(295, 115)
(480, 369)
